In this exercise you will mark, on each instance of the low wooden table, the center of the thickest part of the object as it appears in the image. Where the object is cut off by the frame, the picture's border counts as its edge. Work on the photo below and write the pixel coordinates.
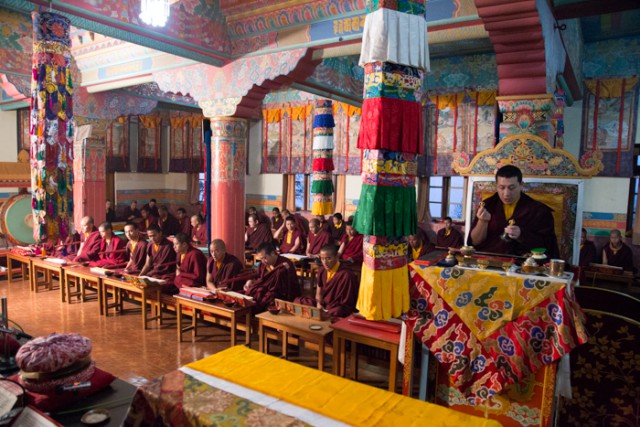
(217, 310)
(49, 270)
(293, 325)
(25, 266)
(81, 275)
(625, 277)
(344, 330)
(149, 295)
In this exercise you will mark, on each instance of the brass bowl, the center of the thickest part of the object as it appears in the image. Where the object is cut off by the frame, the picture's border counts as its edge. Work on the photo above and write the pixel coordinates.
(530, 268)
(467, 250)
(483, 263)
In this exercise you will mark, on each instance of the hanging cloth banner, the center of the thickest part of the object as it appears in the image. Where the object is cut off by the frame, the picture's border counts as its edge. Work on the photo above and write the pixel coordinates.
(322, 185)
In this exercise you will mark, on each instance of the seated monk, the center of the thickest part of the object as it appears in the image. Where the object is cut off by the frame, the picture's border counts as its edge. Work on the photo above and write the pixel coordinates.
(277, 220)
(262, 217)
(198, 231)
(419, 245)
(131, 212)
(152, 207)
(113, 252)
(588, 252)
(221, 267)
(338, 228)
(167, 222)
(337, 290)
(276, 279)
(318, 238)
(324, 224)
(89, 242)
(184, 222)
(192, 264)
(257, 234)
(148, 219)
(63, 247)
(161, 259)
(136, 249)
(351, 246)
(292, 242)
(449, 237)
(618, 254)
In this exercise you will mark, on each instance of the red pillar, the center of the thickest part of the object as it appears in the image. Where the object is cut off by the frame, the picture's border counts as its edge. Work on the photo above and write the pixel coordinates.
(90, 183)
(228, 166)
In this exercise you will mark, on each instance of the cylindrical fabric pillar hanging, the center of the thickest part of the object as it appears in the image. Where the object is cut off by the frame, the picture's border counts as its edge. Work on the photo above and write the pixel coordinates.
(51, 127)
(394, 53)
(322, 186)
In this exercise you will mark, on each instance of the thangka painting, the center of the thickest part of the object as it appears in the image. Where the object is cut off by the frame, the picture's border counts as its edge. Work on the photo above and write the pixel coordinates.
(346, 155)
(23, 130)
(609, 117)
(149, 143)
(461, 122)
(288, 139)
(117, 145)
(185, 142)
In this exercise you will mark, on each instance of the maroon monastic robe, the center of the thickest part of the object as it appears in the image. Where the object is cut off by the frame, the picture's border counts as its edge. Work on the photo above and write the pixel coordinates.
(337, 233)
(112, 255)
(285, 248)
(453, 240)
(588, 254)
(145, 223)
(623, 257)
(90, 246)
(199, 235)
(276, 223)
(229, 268)
(281, 282)
(163, 262)
(317, 241)
(535, 220)
(427, 247)
(131, 214)
(138, 256)
(184, 226)
(353, 248)
(169, 226)
(257, 236)
(193, 268)
(339, 295)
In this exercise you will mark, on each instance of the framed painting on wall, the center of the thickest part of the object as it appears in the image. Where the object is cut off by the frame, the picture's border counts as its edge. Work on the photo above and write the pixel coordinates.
(23, 129)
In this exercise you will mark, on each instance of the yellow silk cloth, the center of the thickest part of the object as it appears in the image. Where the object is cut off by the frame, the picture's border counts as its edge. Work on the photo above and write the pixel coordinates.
(329, 395)
(502, 293)
(383, 294)
(321, 208)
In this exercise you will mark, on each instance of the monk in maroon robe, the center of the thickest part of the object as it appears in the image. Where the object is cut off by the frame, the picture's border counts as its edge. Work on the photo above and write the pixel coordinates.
(337, 290)
(276, 279)
(257, 234)
(292, 242)
(113, 252)
(222, 268)
(152, 208)
(324, 224)
(510, 222)
(419, 245)
(338, 228)
(588, 252)
(198, 231)
(317, 239)
(351, 247)
(277, 221)
(184, 222)
(192, 264)
(131, 212)
(618, 254)
(167, 222)
(136, 249)
(161, 259)
(89, 241)
(148, 219)
(449, 237)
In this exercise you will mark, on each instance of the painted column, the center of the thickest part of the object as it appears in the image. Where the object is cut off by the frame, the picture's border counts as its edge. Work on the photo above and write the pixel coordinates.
(322, 186)
(394, 53)
(90, 181)
(228, 166)
(51, 127)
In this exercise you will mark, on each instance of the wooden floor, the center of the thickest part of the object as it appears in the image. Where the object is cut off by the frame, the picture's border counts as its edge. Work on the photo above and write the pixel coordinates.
(120, 346)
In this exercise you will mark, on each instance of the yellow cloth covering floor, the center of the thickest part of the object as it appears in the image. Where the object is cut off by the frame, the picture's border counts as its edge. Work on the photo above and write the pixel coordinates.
(332, 396)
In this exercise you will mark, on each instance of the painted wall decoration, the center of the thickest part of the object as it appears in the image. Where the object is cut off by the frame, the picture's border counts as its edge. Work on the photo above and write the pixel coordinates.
(186, 149)
(346, 155)
(342, 74)
(152, 91)
(609, 120)
(16, 42)
(117, 145)
(288, 138)
(457, 73)
(149, 143)
(111, 105)
(603, 58)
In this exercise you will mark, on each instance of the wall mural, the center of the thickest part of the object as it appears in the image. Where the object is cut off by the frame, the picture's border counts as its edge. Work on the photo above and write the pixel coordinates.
(603, 59)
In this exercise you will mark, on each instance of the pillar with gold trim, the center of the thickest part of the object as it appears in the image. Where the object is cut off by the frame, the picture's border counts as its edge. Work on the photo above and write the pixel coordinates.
(322, 186)
(51, 127)
(394, 55)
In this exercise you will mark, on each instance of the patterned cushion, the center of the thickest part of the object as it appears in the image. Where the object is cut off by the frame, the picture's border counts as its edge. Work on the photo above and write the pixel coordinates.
(53, 353)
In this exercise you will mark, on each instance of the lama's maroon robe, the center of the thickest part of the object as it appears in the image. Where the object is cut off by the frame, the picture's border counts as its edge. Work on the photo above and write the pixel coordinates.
(339, 295)
(169, 226)
(137, 257)
(229, 268)
(112, 254)
(163, 263)
(145, 223)
(337, 233)
(281, 282)
(353, 248)
(257, 236)
(535, 220)
(184, 226)
(89, 246)
(285, 248)
(623, 257)
(317, 241)
(276, 223)
(131, 214)
(588, 254)
(199, 235)
(453, 240)
(193, 268)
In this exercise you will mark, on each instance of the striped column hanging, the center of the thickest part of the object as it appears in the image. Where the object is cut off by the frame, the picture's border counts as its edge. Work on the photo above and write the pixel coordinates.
(52, 127)
(322, 186)
(394, 53)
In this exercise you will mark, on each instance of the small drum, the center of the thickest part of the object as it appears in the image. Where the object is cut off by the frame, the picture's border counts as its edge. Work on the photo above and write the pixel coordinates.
(16, 219)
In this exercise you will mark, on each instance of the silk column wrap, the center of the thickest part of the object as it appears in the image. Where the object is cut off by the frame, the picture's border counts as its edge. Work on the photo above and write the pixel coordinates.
(322, 186)
(51, 127)
(394, 55)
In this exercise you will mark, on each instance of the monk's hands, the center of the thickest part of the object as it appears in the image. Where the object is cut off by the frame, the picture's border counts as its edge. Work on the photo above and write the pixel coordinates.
(483, 214)
(248, 285)
(513, 231)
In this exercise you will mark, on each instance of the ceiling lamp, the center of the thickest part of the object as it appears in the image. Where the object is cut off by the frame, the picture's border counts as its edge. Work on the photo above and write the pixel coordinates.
(154, 12)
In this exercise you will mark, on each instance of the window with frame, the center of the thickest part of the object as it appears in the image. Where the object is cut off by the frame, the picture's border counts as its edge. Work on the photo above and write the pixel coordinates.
(201, 179)
(446, 196)
(303, 191)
